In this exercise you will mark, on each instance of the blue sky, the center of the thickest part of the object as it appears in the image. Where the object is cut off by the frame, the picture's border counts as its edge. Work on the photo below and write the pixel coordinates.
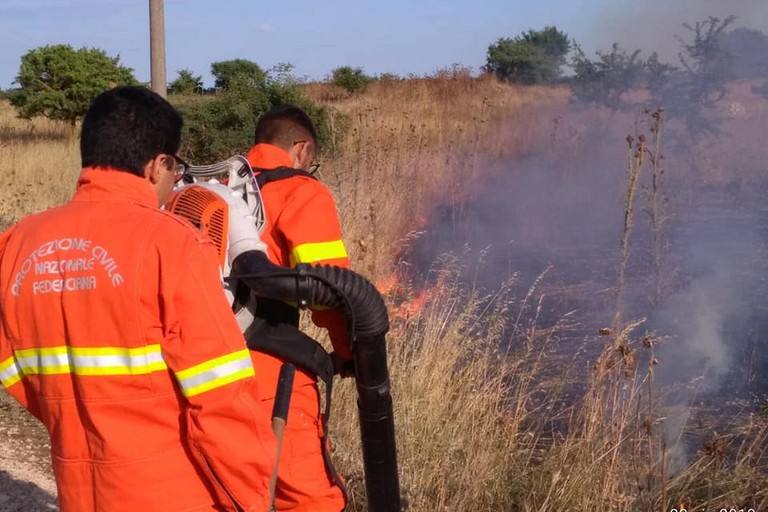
(397, 36)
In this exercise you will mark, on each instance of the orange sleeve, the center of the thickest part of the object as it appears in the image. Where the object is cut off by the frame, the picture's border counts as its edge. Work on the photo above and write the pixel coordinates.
(11, 375)
(310, 226)
(228, 426)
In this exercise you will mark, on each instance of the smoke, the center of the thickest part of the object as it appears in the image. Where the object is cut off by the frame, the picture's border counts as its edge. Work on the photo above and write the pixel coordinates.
(559, 208)
(652, 25)
(708, 324)
(698, 319)
(696, 358)
(564, 207)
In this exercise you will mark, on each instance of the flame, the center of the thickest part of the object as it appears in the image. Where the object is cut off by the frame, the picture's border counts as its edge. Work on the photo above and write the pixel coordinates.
(387, 284)
(402, 305)
(414, 306)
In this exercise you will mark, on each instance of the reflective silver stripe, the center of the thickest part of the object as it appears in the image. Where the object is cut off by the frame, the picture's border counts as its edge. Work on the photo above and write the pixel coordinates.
(44, 361)
(10, 372)
(114, 364)
(215, 373)
(91, 360)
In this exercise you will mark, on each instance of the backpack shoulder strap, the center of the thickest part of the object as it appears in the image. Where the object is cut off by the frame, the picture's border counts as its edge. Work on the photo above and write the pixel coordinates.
(267, 176)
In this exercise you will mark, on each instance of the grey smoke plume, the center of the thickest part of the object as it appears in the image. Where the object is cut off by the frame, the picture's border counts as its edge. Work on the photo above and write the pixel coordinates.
(696, 358)
(696, 318)
(565, 208)
(651, 25)
(709, 321)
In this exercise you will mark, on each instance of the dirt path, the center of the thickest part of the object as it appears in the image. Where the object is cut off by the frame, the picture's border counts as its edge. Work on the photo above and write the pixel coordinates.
(26, 479)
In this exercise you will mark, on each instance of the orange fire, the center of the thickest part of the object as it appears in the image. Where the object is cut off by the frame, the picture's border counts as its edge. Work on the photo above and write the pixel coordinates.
(414, 306)
(387, 284)
(403, 305)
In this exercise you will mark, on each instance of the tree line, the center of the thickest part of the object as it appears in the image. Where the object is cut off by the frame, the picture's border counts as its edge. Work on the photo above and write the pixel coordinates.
(59, 82)
(710, 56)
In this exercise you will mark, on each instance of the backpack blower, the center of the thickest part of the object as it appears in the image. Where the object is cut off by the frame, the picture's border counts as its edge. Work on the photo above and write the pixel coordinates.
(231, 213)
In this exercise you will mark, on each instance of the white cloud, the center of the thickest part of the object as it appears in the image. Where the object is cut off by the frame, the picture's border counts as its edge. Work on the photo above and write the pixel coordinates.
(264, 27)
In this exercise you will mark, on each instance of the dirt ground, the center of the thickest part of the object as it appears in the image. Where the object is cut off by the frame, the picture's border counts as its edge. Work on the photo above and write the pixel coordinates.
(26, 478)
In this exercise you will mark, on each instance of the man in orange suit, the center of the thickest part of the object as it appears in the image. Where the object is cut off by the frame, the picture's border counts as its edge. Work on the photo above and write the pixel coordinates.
(302, 227)
(114, 333)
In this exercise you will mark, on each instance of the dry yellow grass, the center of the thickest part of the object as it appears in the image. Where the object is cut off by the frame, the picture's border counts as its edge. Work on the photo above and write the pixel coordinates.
(460, 403)
(39, 163)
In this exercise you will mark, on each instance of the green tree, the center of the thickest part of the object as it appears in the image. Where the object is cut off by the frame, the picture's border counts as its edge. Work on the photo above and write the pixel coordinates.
(350, 79)
(660, 76)
(534, 57)
(59, 82)
(706, 59)
(605, 80)
(707, 67)
(229, 72)
(186, 83)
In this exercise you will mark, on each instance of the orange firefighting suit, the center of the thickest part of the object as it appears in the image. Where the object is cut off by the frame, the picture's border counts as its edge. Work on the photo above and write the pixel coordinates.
(116, 336)
(302, 227)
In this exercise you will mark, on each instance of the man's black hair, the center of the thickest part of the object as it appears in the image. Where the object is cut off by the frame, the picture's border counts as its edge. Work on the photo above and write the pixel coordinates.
(284, 125)
(128, 126)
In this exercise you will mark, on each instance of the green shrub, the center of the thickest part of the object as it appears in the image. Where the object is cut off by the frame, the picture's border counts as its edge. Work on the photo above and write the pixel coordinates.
(219, 126)
(350, 79)
(186, 83)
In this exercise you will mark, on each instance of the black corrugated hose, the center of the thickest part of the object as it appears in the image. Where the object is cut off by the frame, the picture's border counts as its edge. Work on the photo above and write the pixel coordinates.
(364, 307)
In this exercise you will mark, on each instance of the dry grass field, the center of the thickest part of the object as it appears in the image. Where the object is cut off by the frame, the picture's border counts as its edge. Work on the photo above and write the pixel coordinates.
(477, 430)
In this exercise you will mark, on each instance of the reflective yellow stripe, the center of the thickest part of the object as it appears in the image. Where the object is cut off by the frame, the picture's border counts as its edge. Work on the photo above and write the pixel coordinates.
(124, 361)
(91, 360)
(215, 373)
(10, 373)
(309, 253)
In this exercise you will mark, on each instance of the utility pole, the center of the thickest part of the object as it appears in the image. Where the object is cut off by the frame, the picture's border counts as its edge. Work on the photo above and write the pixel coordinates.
(157, 47)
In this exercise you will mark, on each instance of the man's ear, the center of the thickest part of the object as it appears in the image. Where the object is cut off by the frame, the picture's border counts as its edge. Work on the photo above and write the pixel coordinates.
(153, 168)
(296, 154)
(305, 154)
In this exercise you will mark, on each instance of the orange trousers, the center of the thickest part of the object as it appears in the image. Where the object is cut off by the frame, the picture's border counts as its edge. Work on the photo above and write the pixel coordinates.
(303, 482)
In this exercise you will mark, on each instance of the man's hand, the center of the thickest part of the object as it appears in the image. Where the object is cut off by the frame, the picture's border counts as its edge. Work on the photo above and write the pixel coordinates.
(342, 367)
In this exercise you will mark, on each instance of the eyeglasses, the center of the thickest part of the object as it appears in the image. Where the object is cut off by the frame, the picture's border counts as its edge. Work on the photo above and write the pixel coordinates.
(181, 169)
